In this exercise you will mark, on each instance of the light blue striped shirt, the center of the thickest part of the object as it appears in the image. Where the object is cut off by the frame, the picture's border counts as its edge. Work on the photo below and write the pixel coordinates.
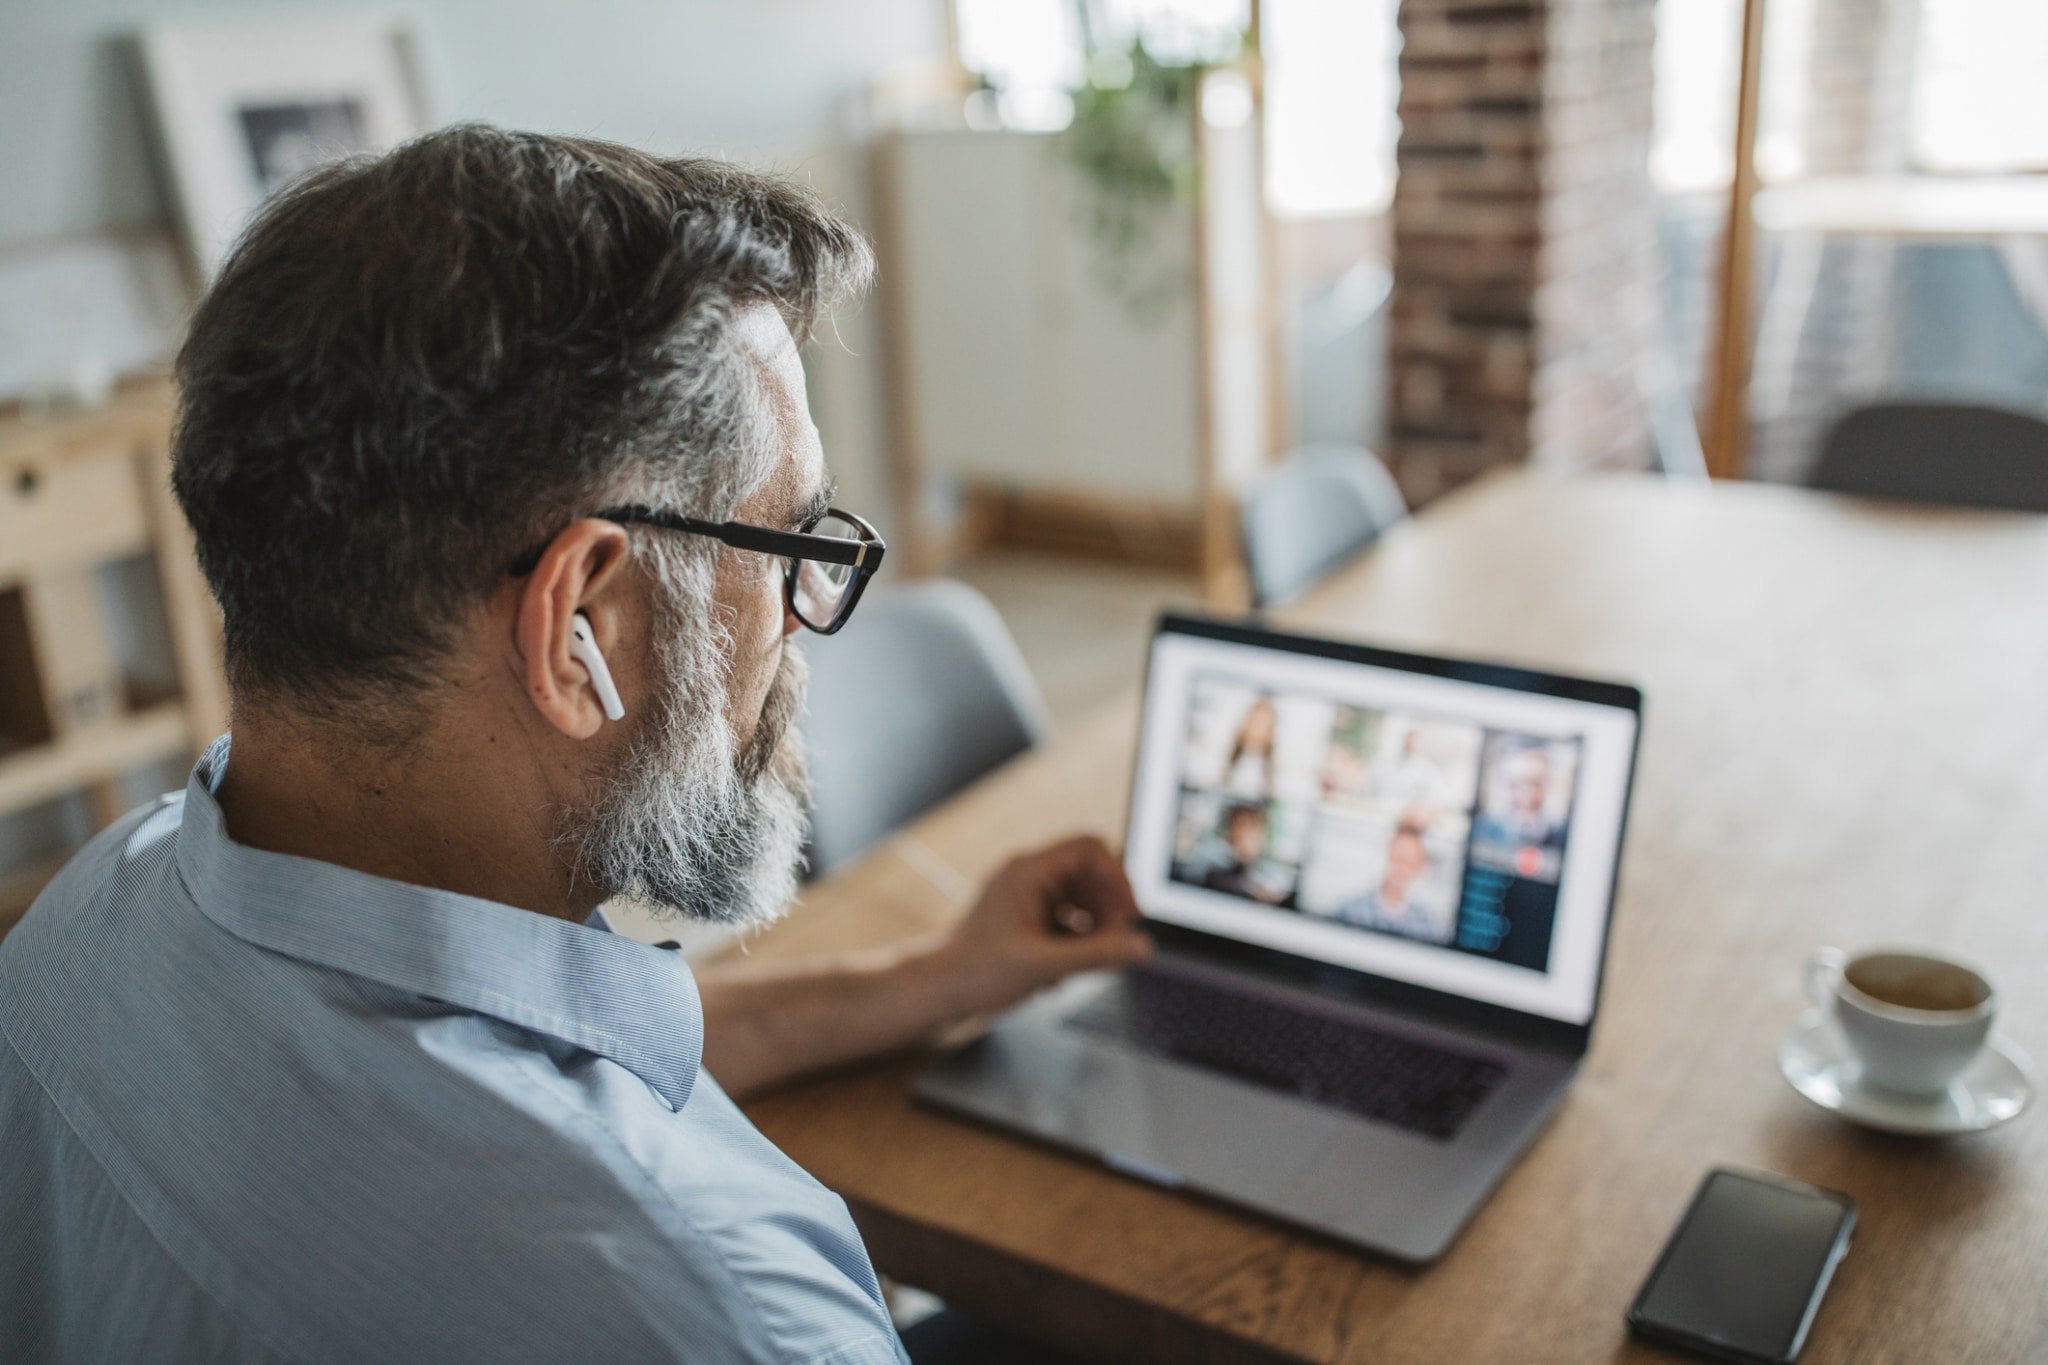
(260, 1108)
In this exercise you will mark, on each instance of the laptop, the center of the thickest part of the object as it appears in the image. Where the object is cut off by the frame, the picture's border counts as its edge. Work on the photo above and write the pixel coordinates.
(1381, 884)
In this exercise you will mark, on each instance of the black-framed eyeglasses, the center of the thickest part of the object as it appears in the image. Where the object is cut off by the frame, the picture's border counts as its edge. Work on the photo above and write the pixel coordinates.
(827, 567)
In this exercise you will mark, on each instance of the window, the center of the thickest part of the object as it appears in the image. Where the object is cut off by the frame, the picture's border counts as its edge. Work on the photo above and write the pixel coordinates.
(1043, 44)
(1977, 100)
(1331, 78)
(1331, 88)
(1026, 45)
(1976, 72)
(1697, 81)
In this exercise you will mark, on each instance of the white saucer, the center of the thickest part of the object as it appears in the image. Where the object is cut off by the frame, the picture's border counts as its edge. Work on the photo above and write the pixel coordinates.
(1998, 1086)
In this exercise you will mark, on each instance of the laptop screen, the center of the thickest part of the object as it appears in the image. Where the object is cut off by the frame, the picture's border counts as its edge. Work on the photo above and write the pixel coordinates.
(1451, 826)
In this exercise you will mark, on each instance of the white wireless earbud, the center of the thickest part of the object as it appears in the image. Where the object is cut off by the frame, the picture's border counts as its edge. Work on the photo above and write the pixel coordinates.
(583, 649)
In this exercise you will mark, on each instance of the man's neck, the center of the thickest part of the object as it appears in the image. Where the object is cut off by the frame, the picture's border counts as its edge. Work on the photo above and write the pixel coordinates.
(432, 818)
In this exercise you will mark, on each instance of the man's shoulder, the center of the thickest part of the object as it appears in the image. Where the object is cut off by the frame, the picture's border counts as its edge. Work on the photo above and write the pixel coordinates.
(480, 1267)
(549, 1208)
(393, 1178)
(111, 860)
(354, 1168)
(62, 940)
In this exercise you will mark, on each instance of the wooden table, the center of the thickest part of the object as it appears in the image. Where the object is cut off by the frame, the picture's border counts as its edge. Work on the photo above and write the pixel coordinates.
(1846, 741)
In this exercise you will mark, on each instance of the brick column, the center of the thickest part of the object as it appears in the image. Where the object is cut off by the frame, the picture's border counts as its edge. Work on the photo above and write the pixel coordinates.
(1524, 268)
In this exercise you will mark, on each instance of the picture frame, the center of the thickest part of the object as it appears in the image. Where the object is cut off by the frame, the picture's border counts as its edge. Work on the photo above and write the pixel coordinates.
(243, 106)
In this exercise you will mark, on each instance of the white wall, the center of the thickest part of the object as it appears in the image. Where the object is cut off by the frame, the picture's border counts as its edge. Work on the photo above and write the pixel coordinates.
(1025, 370)
(747, 78)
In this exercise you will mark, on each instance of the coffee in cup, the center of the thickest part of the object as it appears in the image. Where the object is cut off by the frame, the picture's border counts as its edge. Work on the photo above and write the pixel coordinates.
(1915, 1019)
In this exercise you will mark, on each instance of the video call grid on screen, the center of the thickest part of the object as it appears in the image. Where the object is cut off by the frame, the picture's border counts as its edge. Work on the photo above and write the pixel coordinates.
(1455, 835)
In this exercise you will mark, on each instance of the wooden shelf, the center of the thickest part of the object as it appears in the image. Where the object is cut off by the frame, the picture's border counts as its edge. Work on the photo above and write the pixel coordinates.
(97, 753)
(79, 491)
(138, 411)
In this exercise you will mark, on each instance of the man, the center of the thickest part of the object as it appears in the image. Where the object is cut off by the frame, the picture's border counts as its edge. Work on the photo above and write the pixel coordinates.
(1390, 906)
(1517, 820)
(1412, 779)
(320, 1059)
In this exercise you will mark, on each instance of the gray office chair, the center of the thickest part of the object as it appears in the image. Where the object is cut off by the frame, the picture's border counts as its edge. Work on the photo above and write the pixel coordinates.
(923, 692)
(1957, 454)
(1310, 513)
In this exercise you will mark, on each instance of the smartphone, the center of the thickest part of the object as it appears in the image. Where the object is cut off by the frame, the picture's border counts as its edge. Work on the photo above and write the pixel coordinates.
(1743, 1276)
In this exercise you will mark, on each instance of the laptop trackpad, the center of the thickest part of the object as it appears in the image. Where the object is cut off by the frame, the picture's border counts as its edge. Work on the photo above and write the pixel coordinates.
(1150, 1118)
(1213, 1132)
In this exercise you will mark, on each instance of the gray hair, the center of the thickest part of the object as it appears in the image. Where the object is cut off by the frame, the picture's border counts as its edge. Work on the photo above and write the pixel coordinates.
(414, 367)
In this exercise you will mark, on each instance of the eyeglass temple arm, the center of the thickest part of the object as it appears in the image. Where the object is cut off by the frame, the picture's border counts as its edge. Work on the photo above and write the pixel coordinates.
(865, 553)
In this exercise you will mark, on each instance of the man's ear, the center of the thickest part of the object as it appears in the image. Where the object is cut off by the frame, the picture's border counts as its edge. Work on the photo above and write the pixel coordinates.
(579, 573)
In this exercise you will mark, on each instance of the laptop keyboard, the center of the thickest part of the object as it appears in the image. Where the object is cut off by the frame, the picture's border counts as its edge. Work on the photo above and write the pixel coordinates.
(1333, 1062)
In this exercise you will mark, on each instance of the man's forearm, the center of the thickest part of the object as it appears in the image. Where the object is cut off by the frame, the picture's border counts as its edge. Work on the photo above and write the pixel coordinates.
(1043, 916)
(766, 1022)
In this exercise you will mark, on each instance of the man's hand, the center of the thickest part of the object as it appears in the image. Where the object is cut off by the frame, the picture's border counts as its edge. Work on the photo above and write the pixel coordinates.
(1067, 908)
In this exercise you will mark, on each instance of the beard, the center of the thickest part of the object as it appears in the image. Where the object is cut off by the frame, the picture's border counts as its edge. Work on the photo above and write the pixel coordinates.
(687, 821)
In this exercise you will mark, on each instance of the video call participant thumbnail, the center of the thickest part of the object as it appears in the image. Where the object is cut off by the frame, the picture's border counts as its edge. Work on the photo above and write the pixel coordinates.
(1246, 837)
(1392, 905)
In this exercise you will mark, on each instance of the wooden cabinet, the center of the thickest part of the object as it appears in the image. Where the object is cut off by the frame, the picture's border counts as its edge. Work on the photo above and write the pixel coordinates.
(78, 494)
(1053, 402)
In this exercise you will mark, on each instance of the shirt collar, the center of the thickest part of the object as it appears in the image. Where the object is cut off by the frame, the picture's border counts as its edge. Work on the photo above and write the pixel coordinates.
(597, 990)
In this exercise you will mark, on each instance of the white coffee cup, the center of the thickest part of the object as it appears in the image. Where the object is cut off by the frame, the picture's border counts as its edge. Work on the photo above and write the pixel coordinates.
(1914, 1019)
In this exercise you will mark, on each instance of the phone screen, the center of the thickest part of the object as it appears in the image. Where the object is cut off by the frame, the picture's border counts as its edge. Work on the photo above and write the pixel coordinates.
(1744, 1273)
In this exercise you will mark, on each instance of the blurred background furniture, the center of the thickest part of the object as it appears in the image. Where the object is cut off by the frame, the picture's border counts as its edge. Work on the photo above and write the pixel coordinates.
(1958, 454)
(1675, 449)
(1311, 512)
(85, 501)
(1093, 395)
(1942, 312)
(1874, 140)
(926, 696)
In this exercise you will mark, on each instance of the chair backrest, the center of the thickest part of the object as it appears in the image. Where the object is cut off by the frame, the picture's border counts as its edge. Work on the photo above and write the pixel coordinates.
(1953, 453)
(1674, 431)
(923, 692)
(1311, 512)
